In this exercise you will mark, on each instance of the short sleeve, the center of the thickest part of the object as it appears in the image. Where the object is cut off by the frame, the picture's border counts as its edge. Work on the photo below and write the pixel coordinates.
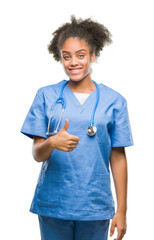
(121, 134)
(34, 123)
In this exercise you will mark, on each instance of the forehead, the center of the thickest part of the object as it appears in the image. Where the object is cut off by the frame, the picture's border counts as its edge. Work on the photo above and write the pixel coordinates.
(74, 44)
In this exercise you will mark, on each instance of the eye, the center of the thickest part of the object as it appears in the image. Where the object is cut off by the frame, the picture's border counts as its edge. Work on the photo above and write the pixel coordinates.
(66, 57)
(81, 56)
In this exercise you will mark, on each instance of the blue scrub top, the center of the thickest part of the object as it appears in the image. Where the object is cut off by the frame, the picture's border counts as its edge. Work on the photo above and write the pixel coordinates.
(76, 185)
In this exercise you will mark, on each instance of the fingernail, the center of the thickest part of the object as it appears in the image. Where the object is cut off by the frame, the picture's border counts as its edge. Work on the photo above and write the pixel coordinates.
(110, 234)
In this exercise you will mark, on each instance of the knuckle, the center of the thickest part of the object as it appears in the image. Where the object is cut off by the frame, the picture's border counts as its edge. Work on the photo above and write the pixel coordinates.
(68, 150)
(122, 229)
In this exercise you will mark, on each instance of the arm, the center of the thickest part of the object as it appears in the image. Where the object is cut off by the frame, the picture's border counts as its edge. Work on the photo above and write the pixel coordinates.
(118, 164)
(42, 148)
(63, 141)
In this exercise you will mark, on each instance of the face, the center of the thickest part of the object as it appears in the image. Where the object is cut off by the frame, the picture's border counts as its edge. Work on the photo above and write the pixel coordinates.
(76, 58)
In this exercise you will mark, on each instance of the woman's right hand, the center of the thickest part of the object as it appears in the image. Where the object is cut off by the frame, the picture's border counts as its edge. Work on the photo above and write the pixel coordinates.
(63, 140)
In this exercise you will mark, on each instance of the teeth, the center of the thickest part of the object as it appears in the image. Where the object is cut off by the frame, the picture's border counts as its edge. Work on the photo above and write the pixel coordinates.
(75, 70)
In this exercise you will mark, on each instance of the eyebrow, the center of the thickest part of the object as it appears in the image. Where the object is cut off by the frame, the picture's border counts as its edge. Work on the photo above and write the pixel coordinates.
(76, 51)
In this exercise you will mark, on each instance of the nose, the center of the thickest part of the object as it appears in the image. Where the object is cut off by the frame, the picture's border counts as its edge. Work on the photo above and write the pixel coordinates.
(74, 61)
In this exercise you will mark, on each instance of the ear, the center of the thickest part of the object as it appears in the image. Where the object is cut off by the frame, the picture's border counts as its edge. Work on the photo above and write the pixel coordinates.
(92, 57)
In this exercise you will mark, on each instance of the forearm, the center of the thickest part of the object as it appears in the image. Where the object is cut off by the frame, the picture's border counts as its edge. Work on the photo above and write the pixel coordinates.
(119, 170)
(42, 150)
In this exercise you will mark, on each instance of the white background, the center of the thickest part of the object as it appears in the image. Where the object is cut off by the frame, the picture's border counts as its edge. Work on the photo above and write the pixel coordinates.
(126, 66)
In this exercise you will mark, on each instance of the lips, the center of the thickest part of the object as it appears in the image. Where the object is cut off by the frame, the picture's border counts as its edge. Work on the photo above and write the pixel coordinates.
(75, 70)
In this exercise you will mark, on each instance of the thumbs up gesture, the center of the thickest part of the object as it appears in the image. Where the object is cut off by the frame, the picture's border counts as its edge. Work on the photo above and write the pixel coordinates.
(64, 141)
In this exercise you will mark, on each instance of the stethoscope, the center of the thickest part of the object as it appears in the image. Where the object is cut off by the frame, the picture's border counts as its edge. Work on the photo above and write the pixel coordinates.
(91, 130)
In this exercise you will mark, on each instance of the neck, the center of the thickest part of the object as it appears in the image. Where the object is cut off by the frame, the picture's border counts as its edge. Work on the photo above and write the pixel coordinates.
(82, 86)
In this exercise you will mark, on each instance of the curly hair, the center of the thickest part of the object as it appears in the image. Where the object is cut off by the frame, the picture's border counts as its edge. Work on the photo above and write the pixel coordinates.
(95, 34)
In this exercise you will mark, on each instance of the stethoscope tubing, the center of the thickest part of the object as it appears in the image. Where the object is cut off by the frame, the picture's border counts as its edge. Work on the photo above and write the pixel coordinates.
(61, 100)
(94, 110)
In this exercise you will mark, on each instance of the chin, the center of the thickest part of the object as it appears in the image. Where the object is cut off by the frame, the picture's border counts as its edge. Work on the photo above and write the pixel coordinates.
(78, 78)
(75, 80)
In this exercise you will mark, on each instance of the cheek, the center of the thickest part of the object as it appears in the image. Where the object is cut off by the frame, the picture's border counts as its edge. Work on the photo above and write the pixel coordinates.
(65, 64)
(87, 64)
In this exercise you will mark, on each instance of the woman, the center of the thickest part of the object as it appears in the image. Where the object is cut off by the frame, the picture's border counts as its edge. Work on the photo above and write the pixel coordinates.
(76, 139)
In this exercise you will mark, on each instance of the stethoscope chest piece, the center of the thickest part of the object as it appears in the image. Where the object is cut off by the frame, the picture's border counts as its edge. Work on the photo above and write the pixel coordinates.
(91, 131)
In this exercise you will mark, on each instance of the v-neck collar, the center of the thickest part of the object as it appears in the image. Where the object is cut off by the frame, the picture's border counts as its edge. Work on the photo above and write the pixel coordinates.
(76, 102)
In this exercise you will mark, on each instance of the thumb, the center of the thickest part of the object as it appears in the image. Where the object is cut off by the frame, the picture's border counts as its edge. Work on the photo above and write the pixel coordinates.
(112, 229)
(65, 127)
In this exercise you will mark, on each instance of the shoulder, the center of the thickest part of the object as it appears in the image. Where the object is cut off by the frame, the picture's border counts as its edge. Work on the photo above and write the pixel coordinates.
(50, 89)
(112, 95)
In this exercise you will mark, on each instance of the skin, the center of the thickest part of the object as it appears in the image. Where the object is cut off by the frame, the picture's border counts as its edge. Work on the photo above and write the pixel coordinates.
(75, 55)
(118, 163)
(76, 60)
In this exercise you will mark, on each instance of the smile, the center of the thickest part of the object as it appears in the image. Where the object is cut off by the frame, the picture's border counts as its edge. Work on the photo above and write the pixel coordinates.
(75, 71)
